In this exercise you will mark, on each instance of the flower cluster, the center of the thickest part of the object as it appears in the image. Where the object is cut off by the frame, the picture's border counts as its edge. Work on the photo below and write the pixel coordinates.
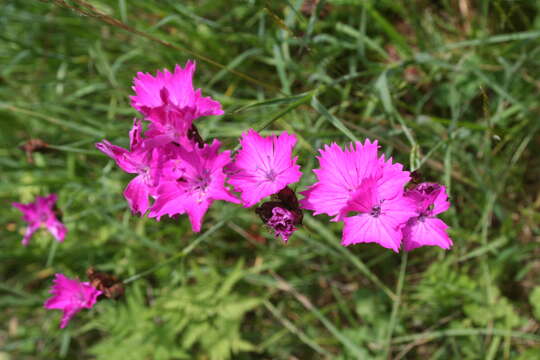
(181, 173)
(367, 193)
(174, 167)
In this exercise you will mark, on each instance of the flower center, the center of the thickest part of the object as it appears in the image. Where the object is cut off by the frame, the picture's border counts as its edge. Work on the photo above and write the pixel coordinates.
(43, 217)
(270, 175)
(200, 183)
(375, 211)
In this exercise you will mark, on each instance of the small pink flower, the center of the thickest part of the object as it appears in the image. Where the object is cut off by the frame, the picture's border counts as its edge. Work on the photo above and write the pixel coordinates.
(175, 89)
(340, 174)
(71, 296)
(195, 179)
(378, 220)
(357, 181)
(41, 214)
(425, 229)
(141, 160)
(171, 104)
(263, 166)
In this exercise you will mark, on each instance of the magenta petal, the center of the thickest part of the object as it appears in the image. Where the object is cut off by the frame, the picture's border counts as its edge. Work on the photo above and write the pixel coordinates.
(393, 179)
(135, 135)
(29, 211)
(196, 212)
(367, 229)
(441, 203)
(363, 199)
(136, 194)
(426, 232)
(30, 230)
(57, 229)
(120, 155)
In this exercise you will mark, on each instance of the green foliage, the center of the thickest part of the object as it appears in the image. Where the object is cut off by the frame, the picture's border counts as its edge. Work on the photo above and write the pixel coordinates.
(535, 302)
(445, 288)
(204, 314)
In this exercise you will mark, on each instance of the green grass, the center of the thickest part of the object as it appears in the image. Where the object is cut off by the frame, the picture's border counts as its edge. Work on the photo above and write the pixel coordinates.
(450, 88)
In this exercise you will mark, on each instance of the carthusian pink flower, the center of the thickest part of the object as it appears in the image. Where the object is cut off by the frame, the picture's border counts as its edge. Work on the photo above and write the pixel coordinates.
(340, 174)
(425, 228)
(173, 89)
(170, 103)
(376, 218)
(263, 166)
(364, 190)
(195, 179)
(71, 296)
(41, 214)
(141, 160)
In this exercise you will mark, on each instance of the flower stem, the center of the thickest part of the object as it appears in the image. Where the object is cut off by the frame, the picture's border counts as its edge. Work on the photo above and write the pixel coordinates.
(396, 305)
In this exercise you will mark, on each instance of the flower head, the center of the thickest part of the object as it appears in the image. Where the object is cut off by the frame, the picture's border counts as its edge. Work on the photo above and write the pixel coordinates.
(340, 174)
(140, 159)
(363, 190)
(174, 89)
(195, 179)
(41, 213)
(71, 296)
(170, 103)
(425, 229)
(263, 166)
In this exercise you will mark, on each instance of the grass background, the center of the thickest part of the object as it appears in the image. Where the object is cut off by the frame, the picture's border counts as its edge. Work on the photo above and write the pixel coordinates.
(450, 88)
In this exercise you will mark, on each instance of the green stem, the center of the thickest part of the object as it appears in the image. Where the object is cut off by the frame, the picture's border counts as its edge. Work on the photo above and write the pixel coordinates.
(178, 255)
(397, 303)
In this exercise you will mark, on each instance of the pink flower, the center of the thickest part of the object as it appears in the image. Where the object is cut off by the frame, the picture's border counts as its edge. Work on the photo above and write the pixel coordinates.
(140, 160)
(340, 174)
(195, 179)
(424, 229)
(170, 103)
(174, 89)
(357, 180)
(41, 214)
(263, 166)
(377, 219)
(71, 296)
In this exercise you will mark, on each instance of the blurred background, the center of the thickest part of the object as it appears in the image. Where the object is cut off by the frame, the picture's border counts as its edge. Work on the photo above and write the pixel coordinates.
(449, 88)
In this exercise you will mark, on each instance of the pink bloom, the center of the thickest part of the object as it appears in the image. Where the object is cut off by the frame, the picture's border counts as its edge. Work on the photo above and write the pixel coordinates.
(263, 166)
(195, 179)
(140, 160)
(174, 89)
(424, 229)
(378, 219)
(71, 296)
(41, 214)
(357, 180)
(170, 103)
(340, 174)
